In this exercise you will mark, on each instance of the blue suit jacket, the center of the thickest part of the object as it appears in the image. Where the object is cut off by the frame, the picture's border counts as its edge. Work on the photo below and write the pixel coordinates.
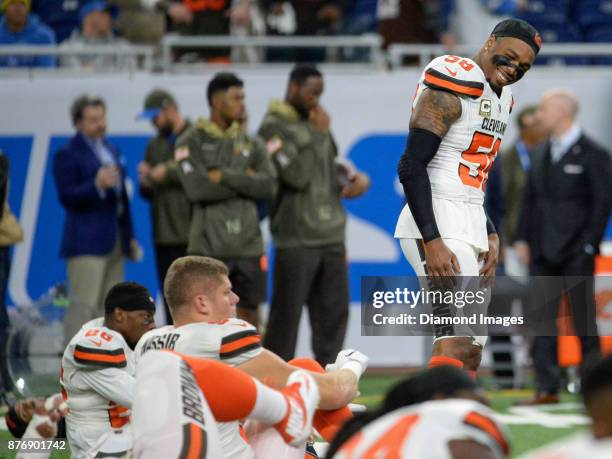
(92, 221)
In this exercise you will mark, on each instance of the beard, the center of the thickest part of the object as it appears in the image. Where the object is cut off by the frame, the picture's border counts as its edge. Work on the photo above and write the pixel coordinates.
(300, 108)
(165, 130)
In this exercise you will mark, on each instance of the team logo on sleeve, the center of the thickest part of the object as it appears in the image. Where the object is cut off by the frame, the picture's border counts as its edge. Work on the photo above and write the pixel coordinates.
(273, 145)
(485, 107)
(181, 153)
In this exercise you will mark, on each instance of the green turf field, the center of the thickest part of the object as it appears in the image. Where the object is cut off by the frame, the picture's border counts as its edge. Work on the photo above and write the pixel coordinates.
(528, 427)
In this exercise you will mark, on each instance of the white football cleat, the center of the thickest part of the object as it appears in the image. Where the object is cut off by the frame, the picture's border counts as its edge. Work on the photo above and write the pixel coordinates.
(302, 395)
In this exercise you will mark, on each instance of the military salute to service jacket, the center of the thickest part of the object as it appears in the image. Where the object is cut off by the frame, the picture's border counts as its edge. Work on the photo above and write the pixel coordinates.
(307, 211)
(225, 223)
(170, 208)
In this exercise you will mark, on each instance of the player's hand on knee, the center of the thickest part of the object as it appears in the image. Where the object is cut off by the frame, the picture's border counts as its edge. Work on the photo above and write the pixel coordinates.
(490, 259)
(350, 359)
(442, 264)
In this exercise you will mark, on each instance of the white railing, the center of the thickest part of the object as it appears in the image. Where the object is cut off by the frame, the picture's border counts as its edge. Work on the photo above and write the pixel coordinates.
(372, 42)
(132, 52)
(426, 52)
(145, 57)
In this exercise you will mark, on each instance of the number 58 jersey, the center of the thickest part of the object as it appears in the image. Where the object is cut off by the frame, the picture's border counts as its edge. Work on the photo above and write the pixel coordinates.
(459, 170)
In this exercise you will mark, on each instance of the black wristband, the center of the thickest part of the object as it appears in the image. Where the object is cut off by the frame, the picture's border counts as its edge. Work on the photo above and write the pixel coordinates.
(421, 147)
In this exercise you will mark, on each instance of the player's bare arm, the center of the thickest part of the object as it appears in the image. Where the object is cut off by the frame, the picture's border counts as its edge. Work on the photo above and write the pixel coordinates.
(336, 388)
(431, 119)
(436, 111)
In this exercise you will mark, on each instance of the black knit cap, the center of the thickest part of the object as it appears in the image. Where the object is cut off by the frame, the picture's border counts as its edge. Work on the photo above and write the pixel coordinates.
(129, 296)
(517, 28)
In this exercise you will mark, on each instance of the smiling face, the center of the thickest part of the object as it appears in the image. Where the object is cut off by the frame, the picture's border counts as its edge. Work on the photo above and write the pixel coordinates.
(505, 60)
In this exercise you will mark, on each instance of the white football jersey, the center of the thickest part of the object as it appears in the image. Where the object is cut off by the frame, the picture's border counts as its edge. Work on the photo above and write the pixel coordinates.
(424, 430)
(459, 170)
(97, 379)
(232, 341)
(171, 416)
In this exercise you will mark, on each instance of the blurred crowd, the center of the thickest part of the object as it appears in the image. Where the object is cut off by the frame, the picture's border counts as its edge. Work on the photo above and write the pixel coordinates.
(78, 25)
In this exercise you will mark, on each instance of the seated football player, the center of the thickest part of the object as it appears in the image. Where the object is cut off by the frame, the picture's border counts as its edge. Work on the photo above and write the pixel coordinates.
(97, 374)
(180, 402)
(37, 418)
(438, 414)
(200, 298)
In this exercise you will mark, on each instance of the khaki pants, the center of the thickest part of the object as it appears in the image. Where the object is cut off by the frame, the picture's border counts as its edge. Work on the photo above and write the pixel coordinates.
(90, 277)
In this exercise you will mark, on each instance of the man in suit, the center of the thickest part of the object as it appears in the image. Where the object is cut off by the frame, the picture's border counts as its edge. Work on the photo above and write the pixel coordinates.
(516, 162)
(565, 210)
(98, 231)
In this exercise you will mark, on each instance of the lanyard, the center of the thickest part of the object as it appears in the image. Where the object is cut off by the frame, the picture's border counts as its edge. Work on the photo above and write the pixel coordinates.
(523, 155)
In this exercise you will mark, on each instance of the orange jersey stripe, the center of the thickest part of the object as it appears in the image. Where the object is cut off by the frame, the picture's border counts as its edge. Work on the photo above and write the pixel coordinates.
(487, 425)
(243, 342)
(195, 444)
(452, 86)
(104, 358)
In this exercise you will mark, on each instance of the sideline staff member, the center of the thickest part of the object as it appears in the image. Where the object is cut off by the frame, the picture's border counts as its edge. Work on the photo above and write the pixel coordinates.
(308, 220)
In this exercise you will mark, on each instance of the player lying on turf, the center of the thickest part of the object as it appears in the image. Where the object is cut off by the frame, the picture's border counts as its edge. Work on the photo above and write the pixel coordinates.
(437, 414)
(459, 117)
(199, 295)
(597, 398)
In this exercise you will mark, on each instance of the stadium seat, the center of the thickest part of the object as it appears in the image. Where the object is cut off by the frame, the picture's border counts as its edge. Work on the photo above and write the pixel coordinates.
(549, 11)
(600, 34)
(593, 12)
(555, 33)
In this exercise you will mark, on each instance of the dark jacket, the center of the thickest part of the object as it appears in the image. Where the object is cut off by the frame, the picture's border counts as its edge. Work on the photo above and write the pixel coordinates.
(566, 205)
(34, 33)
(92, 221)
(170, 208)
(307, 211)
(225, 222)
(4, 176)
(61, 15)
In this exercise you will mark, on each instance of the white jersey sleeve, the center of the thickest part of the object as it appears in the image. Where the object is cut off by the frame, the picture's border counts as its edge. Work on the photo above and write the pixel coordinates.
(111, 383)
(455, 74)
(240, 342)
(96, 346)
(233, 341)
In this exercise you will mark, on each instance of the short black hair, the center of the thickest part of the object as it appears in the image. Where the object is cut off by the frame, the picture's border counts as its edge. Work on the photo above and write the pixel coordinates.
(222, 82)
(302, 72)
(444, 380)
(129, 296)
(597, 377)
(81, 103)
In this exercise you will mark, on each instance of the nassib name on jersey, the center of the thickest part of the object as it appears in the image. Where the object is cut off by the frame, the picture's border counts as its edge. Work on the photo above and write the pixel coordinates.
(165, 341)
(496, 126)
